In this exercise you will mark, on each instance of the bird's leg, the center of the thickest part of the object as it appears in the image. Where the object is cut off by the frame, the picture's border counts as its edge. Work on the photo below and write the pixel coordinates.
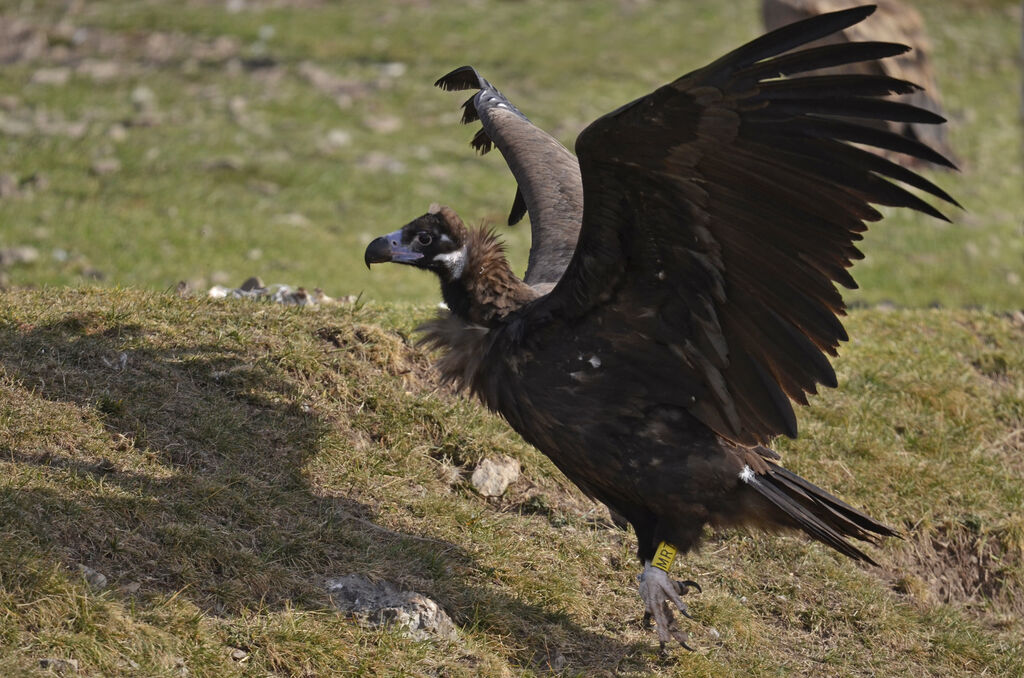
(658, 590)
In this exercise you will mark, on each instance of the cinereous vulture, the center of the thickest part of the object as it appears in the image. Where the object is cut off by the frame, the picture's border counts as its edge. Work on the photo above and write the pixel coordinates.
(681, 288)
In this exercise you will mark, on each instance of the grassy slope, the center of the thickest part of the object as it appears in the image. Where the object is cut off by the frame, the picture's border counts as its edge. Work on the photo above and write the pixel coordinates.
(246, 452)
(234, 178)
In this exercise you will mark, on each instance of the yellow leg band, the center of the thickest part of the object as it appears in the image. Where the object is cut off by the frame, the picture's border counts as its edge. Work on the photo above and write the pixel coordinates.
(664, 556)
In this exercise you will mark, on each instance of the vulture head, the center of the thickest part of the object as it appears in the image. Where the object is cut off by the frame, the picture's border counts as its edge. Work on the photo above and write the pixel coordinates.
(435, 241)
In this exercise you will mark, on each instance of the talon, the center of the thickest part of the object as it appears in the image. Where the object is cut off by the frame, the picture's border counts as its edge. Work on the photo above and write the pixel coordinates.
(685, 585)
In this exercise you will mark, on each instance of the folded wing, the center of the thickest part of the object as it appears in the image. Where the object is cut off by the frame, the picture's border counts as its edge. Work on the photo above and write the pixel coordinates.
(548, 175)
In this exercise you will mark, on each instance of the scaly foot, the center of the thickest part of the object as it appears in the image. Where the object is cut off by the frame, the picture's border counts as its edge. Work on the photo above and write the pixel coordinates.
(657, 591)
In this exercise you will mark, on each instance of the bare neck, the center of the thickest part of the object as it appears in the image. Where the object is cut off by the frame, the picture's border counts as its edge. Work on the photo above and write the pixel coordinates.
(487, 290)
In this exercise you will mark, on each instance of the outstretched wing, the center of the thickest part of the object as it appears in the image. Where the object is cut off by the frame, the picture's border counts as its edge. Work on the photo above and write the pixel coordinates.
(548, 175)
(719, 212)
(896, 22)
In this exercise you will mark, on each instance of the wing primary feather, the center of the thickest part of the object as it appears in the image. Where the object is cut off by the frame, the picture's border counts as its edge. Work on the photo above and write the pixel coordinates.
(816, 58)
(481, 142)
(518, 208)
(822, 86)
(463, 77)
(856, 108)
(794, 35)
(822, 149)
(469, 113)
(833, 128)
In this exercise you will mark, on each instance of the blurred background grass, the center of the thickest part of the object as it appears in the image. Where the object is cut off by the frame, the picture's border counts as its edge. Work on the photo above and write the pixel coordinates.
(145, 143)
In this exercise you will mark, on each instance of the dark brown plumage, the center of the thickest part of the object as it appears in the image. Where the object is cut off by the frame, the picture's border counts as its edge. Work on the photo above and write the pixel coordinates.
(718, 214)
(894, 21)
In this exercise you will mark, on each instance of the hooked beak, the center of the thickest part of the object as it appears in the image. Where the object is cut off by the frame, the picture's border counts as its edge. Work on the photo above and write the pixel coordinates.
(389, 248)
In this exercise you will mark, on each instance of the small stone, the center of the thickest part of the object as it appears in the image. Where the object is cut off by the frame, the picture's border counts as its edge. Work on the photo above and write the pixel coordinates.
(99, 71)
(95, 579)
(238, 106)
(130, 587)
(335, 139)
(376, 161)
(105, 166)
(381, 603)
(393, 69)
(10, 187)
(293, 219)
(493, 476)
(383, 124)
(59, 665)
(714, 634)
(143, 99)
(24, 254)
(238, 654)
(51, 76)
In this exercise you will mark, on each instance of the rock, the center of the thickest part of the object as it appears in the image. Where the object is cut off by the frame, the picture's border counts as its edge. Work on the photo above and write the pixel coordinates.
(383, 124)
(59, 665)
(51, 76)
(117, 132)
(25, 254)
(9, 185)
(99, 71)
(334, 139)
(376, 161)
(493, 476)
(143, 99)
(393, 69)
(97, 580)
(104, 166)
(383, 604)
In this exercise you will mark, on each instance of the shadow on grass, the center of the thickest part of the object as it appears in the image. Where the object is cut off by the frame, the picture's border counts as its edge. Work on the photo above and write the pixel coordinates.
(186, 475)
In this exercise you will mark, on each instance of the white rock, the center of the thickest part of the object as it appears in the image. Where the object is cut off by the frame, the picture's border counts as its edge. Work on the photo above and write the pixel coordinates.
(493, 476)
(384, 604)
(51, 76)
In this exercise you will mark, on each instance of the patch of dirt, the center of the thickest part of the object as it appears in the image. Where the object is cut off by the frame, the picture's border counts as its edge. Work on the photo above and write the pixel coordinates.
(959, 563)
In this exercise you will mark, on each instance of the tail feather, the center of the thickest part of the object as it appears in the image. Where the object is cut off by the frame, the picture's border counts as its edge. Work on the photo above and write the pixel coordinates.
(819, 513)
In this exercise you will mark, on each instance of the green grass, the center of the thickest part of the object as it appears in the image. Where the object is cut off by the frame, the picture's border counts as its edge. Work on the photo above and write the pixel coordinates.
(178, 211)
(245, 453)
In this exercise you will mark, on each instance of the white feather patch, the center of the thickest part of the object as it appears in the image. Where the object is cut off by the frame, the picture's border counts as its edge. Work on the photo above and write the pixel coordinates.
(747, 474)
(455, 261)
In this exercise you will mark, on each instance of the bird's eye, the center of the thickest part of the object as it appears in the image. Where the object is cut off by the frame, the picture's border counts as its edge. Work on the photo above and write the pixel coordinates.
(424, 238)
